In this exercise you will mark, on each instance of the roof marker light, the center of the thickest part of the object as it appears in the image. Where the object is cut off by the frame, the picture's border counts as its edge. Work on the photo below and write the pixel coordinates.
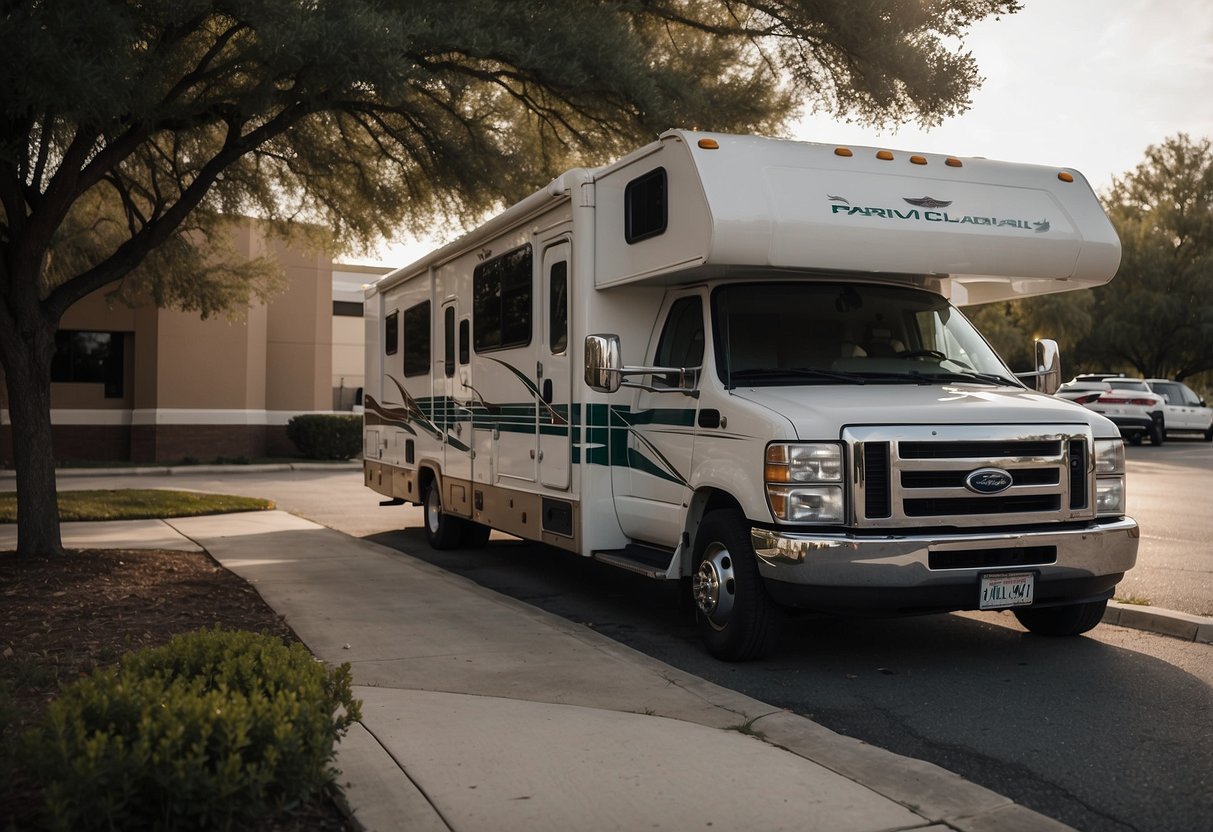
(953, 162)
(843, 151)
(1065, 177)
(884, 155)
(918, 160)
(709, 144)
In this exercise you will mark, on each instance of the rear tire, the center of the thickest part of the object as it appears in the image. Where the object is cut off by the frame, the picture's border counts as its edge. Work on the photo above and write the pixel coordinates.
(442, 530)
(737, 619)
(1066, 620)
(1135, 438)
(1157, 433)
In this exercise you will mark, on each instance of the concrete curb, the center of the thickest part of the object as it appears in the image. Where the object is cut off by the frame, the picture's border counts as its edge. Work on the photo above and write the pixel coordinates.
(1172, 623)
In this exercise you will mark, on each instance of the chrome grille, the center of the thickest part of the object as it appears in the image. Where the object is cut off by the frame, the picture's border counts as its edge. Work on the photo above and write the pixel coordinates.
(915, 475)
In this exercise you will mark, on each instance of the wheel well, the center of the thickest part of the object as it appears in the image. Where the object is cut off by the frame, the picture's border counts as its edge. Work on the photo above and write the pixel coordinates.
(703, 503)
(425, 476)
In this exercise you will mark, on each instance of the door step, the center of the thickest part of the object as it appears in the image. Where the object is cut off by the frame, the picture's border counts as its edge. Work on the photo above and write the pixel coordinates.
(650, 561)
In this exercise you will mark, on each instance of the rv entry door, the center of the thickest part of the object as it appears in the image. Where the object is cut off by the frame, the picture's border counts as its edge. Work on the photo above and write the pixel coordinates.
(456, 394)
(555, 384)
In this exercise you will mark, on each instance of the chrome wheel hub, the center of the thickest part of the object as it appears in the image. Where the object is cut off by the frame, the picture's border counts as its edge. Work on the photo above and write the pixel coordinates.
(433, 510)
(714, 585)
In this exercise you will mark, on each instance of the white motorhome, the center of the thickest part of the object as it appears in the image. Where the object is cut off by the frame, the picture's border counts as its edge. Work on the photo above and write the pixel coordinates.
(739, 360)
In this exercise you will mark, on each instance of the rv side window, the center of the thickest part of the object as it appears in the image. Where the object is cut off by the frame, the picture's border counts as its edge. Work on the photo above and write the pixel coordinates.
(448, 341)
(645, 208)
(464, 342)
(681, 343)
(558, 307)
(391, 333)
(417, 339)
(501, 301)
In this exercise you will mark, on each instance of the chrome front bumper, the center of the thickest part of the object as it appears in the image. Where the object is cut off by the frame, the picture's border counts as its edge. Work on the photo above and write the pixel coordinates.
(902, 562)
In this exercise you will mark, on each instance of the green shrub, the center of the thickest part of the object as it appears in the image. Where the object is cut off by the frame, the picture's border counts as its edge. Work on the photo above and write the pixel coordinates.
(212, 730)
(325, 436)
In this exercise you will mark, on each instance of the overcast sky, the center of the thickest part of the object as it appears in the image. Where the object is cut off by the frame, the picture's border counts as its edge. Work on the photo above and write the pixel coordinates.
(1085, 84)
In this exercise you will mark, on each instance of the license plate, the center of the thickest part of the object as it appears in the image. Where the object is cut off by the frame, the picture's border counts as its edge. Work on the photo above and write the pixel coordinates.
(1000, 590)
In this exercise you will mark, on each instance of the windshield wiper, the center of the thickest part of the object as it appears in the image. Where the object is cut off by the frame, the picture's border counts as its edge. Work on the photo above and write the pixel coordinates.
(966, 375)
(772, 373)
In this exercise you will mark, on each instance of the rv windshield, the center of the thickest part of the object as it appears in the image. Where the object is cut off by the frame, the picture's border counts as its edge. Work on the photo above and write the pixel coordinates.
(831, 333)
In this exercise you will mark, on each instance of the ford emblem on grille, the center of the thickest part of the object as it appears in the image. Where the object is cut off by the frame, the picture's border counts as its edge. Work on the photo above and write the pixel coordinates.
(988, 481)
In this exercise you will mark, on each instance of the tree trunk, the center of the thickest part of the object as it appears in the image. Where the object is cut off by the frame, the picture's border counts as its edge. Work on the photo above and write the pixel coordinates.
(26, 351)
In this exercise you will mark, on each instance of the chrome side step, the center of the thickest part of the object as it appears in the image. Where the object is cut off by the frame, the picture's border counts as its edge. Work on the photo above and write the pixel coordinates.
(650, 561)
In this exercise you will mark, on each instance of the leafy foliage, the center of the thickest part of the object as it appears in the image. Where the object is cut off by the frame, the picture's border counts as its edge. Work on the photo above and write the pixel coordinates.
(130, 129)
(212, 729)
(1157, 315)
(325, 436)
(1155, 318)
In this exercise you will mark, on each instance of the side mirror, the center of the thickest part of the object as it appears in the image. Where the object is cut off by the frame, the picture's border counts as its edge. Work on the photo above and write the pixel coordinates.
(1047, 375)
(603, 363)
(604, 370)
(1048, 366)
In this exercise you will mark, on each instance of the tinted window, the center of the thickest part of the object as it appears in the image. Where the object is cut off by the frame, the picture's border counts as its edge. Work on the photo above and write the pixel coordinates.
(464, 341)
(558, 307)
(645, 206)
(89, 358)
(681, 343)
(417, 339)
(501, 301)
(391, 333)
(448, 339)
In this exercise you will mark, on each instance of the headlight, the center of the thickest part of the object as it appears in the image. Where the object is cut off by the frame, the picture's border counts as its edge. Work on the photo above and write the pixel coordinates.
(806, 504)
(804, 482)
(1109, 457)
(1109, 477)
(820, 462)
(1110, 496)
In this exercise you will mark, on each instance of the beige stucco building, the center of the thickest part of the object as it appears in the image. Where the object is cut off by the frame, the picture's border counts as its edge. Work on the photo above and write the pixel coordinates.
(157, 385)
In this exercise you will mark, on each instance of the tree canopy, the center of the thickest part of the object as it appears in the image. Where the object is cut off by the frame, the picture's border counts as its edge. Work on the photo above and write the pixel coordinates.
(1157, 314)
(125, 124)
(1155, 318)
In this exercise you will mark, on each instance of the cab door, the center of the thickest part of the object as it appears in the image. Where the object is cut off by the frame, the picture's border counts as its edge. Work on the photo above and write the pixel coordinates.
(555, 380)
(653, 487)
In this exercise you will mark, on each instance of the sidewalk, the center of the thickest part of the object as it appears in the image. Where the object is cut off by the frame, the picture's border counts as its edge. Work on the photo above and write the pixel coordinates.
(483, 713)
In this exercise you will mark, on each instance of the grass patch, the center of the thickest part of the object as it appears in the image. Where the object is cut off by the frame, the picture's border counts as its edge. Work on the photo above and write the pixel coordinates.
(137, 504)
(748, 729)
(1135, 600)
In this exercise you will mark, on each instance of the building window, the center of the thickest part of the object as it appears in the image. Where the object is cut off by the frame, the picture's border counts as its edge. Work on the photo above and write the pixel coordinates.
(501, 301)
(347, 309)
(391, 333)
(645, 209)
(89, 358)
(417, 339)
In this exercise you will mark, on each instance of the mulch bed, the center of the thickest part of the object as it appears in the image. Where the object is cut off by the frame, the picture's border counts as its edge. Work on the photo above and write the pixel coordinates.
(61, 618)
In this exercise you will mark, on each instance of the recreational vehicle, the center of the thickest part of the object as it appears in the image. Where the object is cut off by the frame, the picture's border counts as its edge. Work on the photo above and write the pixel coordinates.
(739, 361)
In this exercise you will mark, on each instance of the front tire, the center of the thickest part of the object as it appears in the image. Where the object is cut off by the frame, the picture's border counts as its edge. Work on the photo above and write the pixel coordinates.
(442, 530)
(1066, 620)
(737, 619)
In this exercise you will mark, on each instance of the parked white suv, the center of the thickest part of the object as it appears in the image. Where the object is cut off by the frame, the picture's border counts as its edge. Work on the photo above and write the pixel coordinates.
(1128, 402)
(1185, 411)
